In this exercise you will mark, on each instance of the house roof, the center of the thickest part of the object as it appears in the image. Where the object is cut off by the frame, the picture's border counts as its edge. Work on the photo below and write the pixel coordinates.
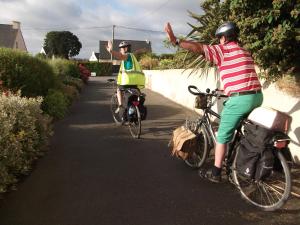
(7, 35)
(135, 46)
(97, 55)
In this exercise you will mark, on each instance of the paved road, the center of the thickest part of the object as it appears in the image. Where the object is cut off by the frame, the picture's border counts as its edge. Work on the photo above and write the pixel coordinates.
(96, 174)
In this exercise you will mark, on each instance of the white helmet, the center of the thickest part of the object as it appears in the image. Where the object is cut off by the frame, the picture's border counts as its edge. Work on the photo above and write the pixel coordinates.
(124, 44)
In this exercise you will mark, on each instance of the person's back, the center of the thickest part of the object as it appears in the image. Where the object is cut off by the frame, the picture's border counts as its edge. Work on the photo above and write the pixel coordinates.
(236, 67)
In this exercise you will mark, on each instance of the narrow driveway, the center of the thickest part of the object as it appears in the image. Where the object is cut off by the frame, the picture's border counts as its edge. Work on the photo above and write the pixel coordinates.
(95, 173)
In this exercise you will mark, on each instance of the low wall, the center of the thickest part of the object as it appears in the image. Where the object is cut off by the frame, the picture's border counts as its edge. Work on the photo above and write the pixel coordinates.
(173, 85)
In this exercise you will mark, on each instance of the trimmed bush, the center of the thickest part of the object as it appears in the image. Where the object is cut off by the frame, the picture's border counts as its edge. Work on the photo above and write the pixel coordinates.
(70, 92)
(76, 82)
(149, 63)
(64, 68)
(55, 104)
(20, 71)
(101, 69)
(24, 132)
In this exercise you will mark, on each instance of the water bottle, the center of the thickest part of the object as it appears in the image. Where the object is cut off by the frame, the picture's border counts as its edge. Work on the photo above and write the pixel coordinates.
(131, 110)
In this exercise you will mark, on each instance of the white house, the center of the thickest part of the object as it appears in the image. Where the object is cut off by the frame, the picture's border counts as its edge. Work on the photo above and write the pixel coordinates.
(94, 57)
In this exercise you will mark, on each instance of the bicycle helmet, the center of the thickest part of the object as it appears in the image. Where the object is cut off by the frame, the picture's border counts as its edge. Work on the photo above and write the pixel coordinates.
(124, 44)
(228, 29)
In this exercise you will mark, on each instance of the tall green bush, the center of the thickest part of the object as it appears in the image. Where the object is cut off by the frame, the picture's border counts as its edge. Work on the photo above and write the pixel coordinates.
(268, 29)
(24, 132)
(20, 71)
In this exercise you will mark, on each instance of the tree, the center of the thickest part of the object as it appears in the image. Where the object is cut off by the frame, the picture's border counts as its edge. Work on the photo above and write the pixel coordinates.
(62, 44)
(269, 30)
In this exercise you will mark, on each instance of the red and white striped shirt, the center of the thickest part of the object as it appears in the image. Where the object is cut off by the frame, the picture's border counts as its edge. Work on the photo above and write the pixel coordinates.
(235, 65)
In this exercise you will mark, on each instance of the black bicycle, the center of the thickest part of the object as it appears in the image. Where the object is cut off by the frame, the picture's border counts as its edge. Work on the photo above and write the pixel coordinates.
(269, 193)
(133, 111)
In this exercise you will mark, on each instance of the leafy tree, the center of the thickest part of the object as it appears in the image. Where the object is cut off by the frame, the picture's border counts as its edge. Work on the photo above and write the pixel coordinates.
(62, 44)
(268, 29)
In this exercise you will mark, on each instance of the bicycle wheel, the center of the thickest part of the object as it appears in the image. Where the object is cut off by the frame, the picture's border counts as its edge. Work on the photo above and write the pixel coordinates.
(197, 157)
(268, 194)
(134, 123)
(113, 106)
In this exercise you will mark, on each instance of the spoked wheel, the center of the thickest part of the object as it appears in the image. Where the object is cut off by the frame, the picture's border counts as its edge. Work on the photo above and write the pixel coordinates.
(113, 106)
(196, 158)
(268, 194)
(134, 123)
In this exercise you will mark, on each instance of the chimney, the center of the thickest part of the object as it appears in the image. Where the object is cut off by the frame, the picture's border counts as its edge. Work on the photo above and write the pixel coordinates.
(16, 25)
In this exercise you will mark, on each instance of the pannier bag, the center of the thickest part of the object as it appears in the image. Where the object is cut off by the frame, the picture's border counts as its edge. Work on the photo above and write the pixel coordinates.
(143, 111)
(200, 102)
(255, 157)
(183, 142)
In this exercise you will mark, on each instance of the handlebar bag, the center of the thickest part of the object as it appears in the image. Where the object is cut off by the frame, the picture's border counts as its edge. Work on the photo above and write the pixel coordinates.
(200, 102)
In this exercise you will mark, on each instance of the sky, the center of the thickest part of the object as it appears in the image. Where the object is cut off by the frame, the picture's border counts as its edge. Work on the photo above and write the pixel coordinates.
(92, 20)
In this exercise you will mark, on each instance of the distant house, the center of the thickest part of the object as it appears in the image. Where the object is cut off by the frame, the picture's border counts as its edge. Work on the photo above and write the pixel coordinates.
(135, 46)
(43, 51)
(94, 57)
(11, 36)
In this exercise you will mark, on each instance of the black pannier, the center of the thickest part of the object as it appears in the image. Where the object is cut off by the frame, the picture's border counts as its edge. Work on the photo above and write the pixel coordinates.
(255, 154)
(142, 108)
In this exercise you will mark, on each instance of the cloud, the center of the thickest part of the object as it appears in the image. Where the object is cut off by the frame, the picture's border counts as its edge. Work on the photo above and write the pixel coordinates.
(92, 20)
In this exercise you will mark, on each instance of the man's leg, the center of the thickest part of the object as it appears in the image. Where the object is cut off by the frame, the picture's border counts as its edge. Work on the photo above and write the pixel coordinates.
(119, 96)
(220, 154)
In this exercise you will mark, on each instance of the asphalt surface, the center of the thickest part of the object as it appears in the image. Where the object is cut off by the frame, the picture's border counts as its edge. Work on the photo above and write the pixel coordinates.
(95, 173)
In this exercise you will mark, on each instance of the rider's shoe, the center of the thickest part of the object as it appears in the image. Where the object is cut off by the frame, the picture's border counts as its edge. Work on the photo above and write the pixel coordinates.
(208, 174)
(118, 109)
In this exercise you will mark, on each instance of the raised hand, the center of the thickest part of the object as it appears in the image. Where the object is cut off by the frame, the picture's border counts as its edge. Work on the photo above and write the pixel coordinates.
(109, 46)
(170, 33)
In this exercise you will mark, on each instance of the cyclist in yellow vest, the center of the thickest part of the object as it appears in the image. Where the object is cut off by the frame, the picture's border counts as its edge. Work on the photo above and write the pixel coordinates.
(130, 73)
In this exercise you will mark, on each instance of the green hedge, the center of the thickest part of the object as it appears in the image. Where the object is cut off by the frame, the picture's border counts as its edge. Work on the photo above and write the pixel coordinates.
(24, 132)
(64, 68)
(56, 104)
(101, 69)
(20, 71)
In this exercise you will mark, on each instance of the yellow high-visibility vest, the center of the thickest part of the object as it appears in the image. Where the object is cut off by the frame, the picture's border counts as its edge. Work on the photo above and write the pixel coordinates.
(134, 76)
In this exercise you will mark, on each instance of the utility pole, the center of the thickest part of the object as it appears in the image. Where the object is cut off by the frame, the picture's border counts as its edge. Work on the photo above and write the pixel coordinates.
(113, 38)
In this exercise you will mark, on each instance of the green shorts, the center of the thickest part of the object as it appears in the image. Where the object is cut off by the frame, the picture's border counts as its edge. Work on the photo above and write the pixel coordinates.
(235, 109)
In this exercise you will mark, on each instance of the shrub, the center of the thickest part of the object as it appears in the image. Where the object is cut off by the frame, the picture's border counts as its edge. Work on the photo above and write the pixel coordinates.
(24, 132)
(20, 71)
(70, 92)
(76, 82)
(84, 73)
(101, 69)
(55, 104)
(149, 63)
(64, 68)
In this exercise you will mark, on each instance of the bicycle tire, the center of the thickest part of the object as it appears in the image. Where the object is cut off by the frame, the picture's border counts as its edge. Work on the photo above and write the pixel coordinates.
(269, 194)
(135, 125)
(113, 106)
(197, 158)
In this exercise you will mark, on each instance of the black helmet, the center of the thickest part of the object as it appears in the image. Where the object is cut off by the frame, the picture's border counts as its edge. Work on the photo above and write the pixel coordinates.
(228, 29)
(124, 44)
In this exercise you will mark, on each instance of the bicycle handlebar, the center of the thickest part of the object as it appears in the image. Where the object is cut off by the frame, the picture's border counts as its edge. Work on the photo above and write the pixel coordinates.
(191, 87)
(214, 93)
